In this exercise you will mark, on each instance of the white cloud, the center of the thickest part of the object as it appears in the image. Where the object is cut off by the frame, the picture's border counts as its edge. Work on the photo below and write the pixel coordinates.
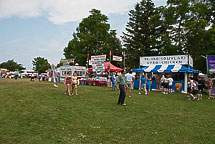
(62, 11)
(21, 8)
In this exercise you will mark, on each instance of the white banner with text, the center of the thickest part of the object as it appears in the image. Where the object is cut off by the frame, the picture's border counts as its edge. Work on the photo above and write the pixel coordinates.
(117, 58)
(166, 60)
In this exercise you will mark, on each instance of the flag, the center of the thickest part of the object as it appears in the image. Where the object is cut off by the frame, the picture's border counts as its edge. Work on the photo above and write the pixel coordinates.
(110, 53)
(117, 58)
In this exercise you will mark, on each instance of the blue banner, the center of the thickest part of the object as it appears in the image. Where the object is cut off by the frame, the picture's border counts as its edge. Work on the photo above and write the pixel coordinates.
(211, 63)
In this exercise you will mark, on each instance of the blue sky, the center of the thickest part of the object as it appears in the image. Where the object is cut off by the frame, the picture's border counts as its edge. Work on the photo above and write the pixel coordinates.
(33, 28)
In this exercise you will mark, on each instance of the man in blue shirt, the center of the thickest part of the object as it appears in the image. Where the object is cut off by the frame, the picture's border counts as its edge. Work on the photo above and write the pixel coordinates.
(143, 84)
(113, 81)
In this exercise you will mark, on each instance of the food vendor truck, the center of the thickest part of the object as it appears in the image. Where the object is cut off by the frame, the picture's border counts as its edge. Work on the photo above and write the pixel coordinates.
(79, 70)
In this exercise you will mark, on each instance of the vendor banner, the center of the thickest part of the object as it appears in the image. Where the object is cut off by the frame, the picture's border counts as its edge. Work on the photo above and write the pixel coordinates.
(117, 58)
(98, 58)
(166, 60)
(211, 63)
(98, 66)
(67, 60)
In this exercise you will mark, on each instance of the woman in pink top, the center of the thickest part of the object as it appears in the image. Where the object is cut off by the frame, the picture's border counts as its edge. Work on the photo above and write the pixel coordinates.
(67, 81)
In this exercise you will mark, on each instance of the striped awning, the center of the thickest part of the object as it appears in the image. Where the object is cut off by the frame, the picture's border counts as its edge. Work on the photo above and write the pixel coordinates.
(165, 68)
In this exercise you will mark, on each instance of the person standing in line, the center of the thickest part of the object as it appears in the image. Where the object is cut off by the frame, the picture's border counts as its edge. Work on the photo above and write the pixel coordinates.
(162, 83)
(158, 82)
(190, 89)
(121, 84)
(129, 81)
(113, 78)
(210, 86)
(170, 84)
(166, 85)
(143, 84)
(148, 85)
(75, 84)
(67, 81)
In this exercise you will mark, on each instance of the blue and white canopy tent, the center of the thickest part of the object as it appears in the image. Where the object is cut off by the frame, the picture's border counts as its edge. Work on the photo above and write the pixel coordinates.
(167, 69)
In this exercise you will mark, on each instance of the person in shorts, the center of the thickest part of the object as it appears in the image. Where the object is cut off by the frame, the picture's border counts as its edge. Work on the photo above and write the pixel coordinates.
(75, 84)
(166, 85)
(210, 86)
(162, 83)
(148, 85)
(170, 84)
(32, 77)
(190, 89)
(129, 81)
(143, 84)
(67, 82)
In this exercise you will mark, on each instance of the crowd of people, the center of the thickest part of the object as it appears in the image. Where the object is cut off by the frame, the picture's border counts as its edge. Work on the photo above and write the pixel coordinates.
(124, 83)
(196, 87)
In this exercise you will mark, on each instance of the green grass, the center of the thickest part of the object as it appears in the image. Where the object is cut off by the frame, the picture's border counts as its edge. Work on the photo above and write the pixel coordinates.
(38, 113)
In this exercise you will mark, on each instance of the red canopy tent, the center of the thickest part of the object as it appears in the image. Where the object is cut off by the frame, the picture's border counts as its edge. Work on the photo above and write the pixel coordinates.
(112, 68)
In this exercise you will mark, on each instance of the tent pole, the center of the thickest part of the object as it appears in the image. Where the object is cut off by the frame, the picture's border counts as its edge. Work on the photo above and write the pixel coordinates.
(140, 81)
(185, 82)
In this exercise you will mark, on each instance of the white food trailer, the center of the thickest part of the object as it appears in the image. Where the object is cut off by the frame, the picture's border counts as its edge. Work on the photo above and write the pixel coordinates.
(80, 71)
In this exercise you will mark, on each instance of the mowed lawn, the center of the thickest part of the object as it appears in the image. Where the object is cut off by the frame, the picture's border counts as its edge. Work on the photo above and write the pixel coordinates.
(38, 113)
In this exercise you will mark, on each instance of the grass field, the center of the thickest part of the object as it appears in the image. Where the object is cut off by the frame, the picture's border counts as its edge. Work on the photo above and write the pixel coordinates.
(38, 113)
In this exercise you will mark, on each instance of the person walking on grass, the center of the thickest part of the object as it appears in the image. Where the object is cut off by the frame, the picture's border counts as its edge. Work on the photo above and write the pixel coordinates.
(74, 84)
(121, 84)
(67, 82)
(210, 86)
(129, 81)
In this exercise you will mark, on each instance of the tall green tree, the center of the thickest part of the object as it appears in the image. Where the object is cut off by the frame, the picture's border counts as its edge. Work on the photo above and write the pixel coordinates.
(142, 36)
(41, 64)
(11, 65)
(94, 37)
(179, 12)
(190, 28)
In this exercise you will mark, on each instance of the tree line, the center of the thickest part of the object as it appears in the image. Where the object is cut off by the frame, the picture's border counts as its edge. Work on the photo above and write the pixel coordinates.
(179, 27)
(40, 65)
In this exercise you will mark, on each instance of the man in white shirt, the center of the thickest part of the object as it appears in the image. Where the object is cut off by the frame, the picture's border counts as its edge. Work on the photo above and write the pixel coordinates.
(170, 84)
(129, 78)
